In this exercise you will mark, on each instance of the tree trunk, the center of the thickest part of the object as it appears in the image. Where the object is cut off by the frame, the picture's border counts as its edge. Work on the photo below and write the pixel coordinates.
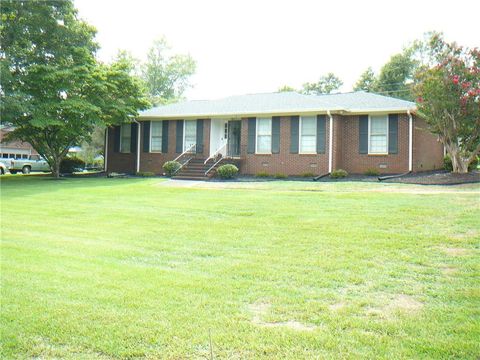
(459, 164)
(56, 168)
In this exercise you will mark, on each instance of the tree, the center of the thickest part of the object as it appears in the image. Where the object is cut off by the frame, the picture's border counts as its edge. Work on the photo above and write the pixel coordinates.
(366, 82)
(396, 76)
(166, 76)
(325, 85)
(286, 88)
(52, 88)
(448, 98)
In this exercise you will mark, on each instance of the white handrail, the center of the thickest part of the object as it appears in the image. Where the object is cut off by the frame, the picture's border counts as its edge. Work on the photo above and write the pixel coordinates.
(186, 151)
(211, 167)
(215, 153)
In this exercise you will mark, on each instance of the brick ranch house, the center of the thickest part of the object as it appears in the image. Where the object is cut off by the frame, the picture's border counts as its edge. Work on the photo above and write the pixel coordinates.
(277, 133)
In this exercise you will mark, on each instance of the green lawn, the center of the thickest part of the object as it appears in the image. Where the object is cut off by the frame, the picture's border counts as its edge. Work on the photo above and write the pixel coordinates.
(138, 268)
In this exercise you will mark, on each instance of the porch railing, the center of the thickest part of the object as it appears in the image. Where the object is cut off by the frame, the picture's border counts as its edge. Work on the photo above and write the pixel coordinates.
(185, 157)
(213, 166)
(216, 153)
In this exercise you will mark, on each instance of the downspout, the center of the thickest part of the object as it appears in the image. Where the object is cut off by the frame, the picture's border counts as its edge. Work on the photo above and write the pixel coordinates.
(138, 146)
(330, 143)
(105, 152)
(410, 141)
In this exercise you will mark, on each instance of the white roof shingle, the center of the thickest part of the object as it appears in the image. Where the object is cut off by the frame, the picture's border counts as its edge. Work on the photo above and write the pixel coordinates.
(279, 103)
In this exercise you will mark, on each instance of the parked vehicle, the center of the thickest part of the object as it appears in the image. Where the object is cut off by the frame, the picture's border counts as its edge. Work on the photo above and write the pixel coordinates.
(33, 163)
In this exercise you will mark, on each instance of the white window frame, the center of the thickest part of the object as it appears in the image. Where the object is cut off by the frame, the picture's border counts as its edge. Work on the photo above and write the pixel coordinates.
(184, 133)
(256, 136)
(151, 135)
(369, 134)
(121, 138)
(300, 136)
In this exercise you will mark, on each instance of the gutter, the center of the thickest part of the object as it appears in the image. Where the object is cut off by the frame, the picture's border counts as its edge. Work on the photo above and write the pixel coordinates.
(410, 141)
(330, 143)
(105, 151)
(138, 146)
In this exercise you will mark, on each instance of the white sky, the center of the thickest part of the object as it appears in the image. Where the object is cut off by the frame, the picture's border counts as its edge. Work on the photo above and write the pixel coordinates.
(247, 46)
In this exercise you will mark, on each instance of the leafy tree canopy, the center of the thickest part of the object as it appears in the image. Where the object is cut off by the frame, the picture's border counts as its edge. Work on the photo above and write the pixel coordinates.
(448, 98)
(52, 88)
(325, 85)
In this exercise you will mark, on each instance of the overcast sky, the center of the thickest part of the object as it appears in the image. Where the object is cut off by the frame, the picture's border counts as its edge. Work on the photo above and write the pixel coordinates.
(257, 46)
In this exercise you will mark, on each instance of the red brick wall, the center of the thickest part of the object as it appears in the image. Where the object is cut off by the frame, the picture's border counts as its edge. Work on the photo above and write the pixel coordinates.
(284, 162)
(356, 163)
(152, 161)
(116, 161)
(427, 150)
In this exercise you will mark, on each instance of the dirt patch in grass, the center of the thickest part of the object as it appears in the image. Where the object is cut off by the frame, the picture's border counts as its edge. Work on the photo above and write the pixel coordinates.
(441, 177)
(260, 309)
(456, 251)
(337, 306)
(402, 303)
(448, 270)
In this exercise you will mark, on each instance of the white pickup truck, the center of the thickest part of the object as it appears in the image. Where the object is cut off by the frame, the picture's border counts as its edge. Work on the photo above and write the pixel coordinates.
(26, 166)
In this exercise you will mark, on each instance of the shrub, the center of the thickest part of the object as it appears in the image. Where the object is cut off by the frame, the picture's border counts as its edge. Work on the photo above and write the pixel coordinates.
(171, 167)
(447, 163)
(280, 176)
(262, 174)
(71, 164)
(372, 172)
(308, 175)
(145, 173)
(338, 174)
(227, 171)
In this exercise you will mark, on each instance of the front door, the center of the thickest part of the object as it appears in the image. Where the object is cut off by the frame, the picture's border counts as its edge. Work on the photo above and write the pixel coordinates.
(234, 129)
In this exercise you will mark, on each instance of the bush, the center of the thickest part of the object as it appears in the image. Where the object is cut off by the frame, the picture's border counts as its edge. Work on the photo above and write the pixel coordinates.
(262, 174)
(338, 174)
(280, 176)
(227, 171)
(71, 164)
(372, 172)
(447, 164)
(171, 167)
(308, 175)
(145, 173)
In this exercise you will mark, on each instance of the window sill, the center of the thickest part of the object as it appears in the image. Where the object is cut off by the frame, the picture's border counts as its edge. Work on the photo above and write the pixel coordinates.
(263, 153)
(377, 154)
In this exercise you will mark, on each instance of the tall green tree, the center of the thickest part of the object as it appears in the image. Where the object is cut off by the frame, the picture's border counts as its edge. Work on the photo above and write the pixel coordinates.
(286, 88)
(366, 82)
(448, 98)
(325, 85)
(52, 88)
(166, 76)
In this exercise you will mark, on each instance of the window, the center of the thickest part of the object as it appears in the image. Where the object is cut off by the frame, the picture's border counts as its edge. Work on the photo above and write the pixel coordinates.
(125, 138)
(25, 156)
(5, 156)
(156, 136)
(378, 134)
(308, 134)
(189, 133)
(264, 136)
(35, 157)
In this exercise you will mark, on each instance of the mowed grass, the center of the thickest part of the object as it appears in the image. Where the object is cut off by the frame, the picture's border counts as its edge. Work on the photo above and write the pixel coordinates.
(138, 268)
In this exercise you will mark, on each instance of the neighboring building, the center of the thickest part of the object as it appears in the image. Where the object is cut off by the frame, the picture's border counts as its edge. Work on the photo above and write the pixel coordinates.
(14, 149)
(284, 132)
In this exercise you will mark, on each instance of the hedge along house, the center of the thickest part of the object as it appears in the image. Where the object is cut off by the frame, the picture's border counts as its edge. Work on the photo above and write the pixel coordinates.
(277, 133)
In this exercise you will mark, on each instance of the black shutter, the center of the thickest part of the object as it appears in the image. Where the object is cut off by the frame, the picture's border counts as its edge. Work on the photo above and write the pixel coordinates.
(146, 136)
(252, 123)
(165, 136)
(133, 137)
(294, 123)
(363, 134)
(199, 141)
(179, 137)
(321, 126)
(393, 134)
(116, 138)
(275, 134)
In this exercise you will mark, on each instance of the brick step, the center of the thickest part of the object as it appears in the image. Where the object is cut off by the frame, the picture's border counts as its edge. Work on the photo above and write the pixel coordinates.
(188, 177)
(194, 166)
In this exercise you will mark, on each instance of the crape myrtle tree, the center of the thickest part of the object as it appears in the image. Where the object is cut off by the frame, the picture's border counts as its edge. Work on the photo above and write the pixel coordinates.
(448, 98)
(52, 88)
